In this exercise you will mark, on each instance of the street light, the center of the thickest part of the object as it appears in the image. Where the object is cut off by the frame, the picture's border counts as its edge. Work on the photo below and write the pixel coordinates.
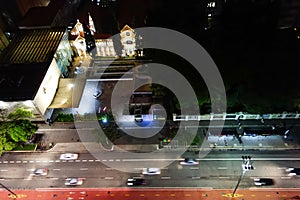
(246, 166)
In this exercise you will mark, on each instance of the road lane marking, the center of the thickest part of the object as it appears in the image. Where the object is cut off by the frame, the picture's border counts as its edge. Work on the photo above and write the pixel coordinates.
(3, 170)
(109, 178)
(104, 160)
(54, 178)
(5, 161)
(196, 177)
(224, 177)
(56, 169)
(84, 160)
(194, 168)
(77, 160)
(118, 160)
(31, 161)
(110, 160)
(91, 160)
(84, 169)
(97, 160)
(18, 161)
(2, 179)
(187, 195)
(24, 161)
(11, 161)
(285, 177)
(109, 169)
(38, 161)
(57, 160)
(71, 161)
(27, 179)
(222, 168)
(165, 177)
(51, 161)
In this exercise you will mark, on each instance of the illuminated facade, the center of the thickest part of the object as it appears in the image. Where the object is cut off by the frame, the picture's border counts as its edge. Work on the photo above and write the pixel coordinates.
(31, 68)
(128, 41)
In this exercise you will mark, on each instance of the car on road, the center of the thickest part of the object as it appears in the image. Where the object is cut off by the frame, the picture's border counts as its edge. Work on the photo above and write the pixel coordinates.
(68, 156)
(293, 171)
(189, 161)
(151, 171)
(135, 181)
(74, 181)
(40, 171)
(97, 94)
(263, 181)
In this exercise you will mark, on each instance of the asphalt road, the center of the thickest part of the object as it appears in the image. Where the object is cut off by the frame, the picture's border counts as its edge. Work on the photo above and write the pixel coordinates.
(217, 170)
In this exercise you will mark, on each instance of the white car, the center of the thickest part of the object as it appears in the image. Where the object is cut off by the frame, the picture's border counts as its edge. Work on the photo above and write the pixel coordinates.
(74, 181)
(41, 172)
(68, 156)
(151, 171)
(189, 161)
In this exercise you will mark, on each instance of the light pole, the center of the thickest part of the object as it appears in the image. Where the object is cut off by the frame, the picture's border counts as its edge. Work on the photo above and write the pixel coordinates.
(246, 166)
(15, 195)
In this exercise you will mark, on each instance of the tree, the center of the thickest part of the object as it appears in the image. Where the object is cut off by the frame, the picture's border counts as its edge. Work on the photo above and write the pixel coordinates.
(15, 127)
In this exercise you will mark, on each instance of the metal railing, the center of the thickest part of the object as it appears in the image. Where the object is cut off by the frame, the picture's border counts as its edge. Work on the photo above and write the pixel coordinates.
(234, 116)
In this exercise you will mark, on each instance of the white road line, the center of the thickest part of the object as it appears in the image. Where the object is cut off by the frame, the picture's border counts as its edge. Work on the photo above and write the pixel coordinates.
(285, 177)
(108, 169)
(109, 178)
(51, 161)
(18, 161)
(11, 161)
(29, 170)
(196, 177)
(84, 160)
(24, 161)
(194, 167)
(38, 161)
(44, 161)
(165, 177)
(2, 179)
(104, 160)
(77, 160)
(71, 161)
(110, 160)
(31, 161)
(57, 160)
(27, 179)
(56, 169)
(3, 170)
(91, 160)
(84, 169)
(54, 178)
(222, 168)
(97, 160)
(281, 167)
(5, 161)
(118, 160)
(224, 177)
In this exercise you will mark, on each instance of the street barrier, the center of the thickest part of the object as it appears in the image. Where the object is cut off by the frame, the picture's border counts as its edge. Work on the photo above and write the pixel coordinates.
(235, 116)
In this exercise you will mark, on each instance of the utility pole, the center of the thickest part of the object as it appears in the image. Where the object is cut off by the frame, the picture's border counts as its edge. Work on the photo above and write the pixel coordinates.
(246, 166)
(15, 195)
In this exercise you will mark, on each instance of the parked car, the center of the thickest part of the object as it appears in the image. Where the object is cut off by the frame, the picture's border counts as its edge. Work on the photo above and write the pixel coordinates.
(41, 172)
(293, 171)
(68, 156)
(135, 181)
(189, 161)
(263, 181)
(74, 181)
(97, 94)
(151, 171)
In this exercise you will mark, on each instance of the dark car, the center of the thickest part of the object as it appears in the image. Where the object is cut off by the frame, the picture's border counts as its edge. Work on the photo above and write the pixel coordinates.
(135, 181)
(293, 171)
(263, 181)
(97, 94)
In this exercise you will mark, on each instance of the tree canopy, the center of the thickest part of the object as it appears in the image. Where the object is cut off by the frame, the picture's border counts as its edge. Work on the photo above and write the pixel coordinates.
(15, 128)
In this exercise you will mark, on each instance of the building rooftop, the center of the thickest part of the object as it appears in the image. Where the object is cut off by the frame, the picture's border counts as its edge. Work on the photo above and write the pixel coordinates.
(25, 62)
